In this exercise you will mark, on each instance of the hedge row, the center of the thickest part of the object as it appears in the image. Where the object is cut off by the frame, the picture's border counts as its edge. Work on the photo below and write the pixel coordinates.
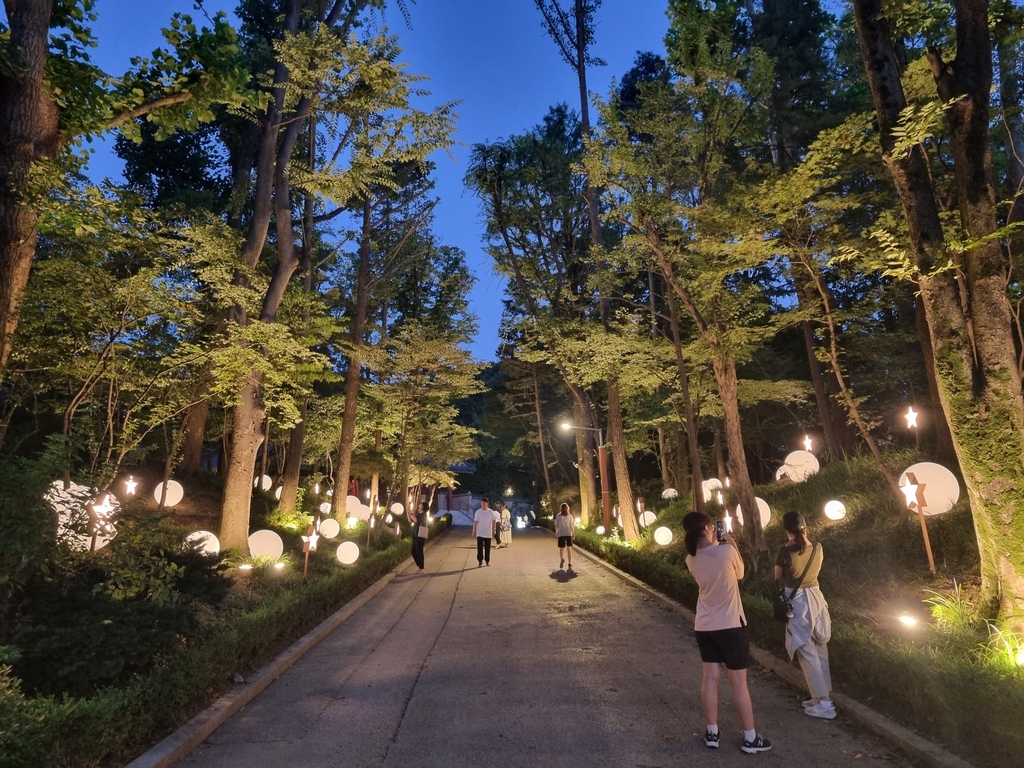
(119, 722)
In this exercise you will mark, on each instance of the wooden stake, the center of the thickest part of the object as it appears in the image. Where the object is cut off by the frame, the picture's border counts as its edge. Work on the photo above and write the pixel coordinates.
(927, 541)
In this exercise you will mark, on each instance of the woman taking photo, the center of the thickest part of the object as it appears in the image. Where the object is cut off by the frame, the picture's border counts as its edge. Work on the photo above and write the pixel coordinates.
(810, 628)
(721, 626)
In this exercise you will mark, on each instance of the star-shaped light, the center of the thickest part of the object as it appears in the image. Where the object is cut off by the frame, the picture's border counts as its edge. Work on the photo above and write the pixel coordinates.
(102, 513)
(129, 485)
(310, 539)
(914, 492)
(721, 501)
(807, 443)
(911, 417)
(728, 523)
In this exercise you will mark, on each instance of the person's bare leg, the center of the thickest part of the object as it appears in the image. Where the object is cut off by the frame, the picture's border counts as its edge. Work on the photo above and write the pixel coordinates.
(568, 551)
(741, 697)
(709, 692)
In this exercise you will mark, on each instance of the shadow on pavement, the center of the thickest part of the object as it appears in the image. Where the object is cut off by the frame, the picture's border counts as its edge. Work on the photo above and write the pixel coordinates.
(563, 577)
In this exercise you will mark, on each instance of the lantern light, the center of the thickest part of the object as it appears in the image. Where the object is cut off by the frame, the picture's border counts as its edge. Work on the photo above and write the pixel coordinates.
(175, 493)
(807, 443)
(129, 486)
(911, 417)
(265, 543)
(835, 510)
(908, 620)
(599, 530)
(663, 535)
(348, 553)
(329, 528)
(204, 541)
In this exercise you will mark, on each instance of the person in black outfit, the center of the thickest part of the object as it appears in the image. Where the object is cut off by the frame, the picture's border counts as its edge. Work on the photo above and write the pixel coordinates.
(419, 526)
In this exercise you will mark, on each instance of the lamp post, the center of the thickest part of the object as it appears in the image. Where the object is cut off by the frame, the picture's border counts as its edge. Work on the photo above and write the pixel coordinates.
(602, 467)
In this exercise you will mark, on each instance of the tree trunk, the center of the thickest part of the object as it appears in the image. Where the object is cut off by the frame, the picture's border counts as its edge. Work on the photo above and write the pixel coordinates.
(246, 437)
(29, 124)
(584, 462)
(944, 449)
(355, 363)
(663, 463)
(696, 474)
(725, 377)
(540, 429)
(969, 318)
(617, 439)
(293, 463)
(821, 397)
(192, 444)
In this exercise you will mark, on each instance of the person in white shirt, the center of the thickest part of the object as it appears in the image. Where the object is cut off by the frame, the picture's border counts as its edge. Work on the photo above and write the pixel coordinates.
(565, 530)
(720, 625)
(484, 522)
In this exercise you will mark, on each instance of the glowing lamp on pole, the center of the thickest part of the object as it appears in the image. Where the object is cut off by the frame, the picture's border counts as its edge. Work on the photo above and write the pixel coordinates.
(602, 463)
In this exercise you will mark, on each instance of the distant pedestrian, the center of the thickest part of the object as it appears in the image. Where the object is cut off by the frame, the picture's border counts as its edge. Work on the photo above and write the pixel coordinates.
(810, 628)
(505, 525)
(484, 523)
(721, 626)
(565, 530)
(420, 526)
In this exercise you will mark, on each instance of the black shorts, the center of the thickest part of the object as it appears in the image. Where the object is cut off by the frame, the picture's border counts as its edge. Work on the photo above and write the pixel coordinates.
(725, 646)
(564, 541)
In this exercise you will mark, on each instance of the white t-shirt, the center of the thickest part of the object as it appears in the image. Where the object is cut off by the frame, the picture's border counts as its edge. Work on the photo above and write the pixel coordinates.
(563, 525)
(485, 520)
(717, 569)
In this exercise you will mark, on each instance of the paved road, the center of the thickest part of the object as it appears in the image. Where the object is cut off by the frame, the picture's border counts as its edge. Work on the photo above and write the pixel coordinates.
(515, 664)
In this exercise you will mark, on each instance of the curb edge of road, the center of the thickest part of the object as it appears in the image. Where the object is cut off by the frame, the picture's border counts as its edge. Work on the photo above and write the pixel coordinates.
(193, 733)
(902, 738)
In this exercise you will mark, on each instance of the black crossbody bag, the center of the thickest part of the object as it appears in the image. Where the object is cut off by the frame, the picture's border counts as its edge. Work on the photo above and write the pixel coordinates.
(783, 605)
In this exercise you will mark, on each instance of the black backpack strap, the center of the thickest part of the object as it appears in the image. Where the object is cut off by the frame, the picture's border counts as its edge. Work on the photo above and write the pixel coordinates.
(807, 567)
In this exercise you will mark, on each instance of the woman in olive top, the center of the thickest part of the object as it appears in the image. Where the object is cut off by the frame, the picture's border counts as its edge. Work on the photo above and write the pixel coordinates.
(810, 628)
(720, 626)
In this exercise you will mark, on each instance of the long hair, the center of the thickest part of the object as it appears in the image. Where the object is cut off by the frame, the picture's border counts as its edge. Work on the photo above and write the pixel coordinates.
(563, 509)
(795, 524)
(694, 524)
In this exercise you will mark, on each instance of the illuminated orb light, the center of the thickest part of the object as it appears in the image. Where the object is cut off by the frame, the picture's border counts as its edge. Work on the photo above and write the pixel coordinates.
(266, 543)
(599, 530)
(278, 491)
(325, 508)
(669, 493)
(175, 493)
(663, 535)
(710, 486)
(763, 509)
(352, 522)
(204, 541)
(263, 482)
(938, 485)
(835, 510)
(798, 466)
(388, 520)
(348, 552)
(397, 508)
(352, 505)
(329, 528)
(647, 518)
(330, 493)
(908, 620)
(363, 513)
(578, 520)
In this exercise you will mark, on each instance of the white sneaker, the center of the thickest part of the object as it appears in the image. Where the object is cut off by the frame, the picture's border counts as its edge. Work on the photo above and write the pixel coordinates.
(808, 703)
(822, 710)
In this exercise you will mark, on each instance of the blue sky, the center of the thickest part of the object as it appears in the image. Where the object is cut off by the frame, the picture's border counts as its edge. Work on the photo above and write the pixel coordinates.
(492, 55)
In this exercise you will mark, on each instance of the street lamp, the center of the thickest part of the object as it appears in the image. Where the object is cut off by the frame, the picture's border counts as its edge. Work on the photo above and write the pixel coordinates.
(602, 463)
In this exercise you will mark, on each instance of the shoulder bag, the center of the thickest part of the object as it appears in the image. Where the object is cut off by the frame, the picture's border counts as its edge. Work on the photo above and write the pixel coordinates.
(783, 605)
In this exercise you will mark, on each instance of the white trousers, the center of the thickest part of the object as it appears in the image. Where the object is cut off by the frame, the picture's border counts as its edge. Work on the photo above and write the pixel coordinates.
(813, 658)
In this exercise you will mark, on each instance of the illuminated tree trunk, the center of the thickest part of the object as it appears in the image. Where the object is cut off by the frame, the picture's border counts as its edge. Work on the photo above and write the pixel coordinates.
(968, 312)
(617, 439)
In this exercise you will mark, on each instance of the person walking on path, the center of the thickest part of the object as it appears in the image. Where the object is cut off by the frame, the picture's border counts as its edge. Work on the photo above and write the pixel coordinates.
(565, 530)
(810, 627)
(484, 522)
(419, 535)
(505, 525)
(721, 626)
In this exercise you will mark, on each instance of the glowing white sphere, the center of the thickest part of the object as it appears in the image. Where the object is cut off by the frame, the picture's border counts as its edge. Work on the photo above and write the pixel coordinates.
(205, 541)
(265, 543)
(599, 530)
(329, 528)
(647, 518)
(835, 510)
(325, 508)
(330, 493)
(765, 512)
(941, 489)
(669, 493)
(352, 522)
(175, 493)
(663, 535)
(263, 482)
(363, 513)
(348, 552)
(798, 466)
(710, 487)
(389, 520)
(277, 492)
(397, 508)
(352, 505)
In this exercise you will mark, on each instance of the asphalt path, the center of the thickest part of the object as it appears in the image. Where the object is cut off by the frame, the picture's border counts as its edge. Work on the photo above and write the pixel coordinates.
(516, 664)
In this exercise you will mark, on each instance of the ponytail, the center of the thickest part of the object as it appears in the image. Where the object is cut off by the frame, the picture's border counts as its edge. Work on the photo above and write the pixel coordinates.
(694, 524)
(795, 524)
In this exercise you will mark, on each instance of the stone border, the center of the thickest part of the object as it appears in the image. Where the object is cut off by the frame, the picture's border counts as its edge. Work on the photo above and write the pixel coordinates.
(193, 733)
(902, 738)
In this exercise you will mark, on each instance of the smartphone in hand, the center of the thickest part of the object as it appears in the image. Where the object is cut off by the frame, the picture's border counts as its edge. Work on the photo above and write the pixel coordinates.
(719, 530)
